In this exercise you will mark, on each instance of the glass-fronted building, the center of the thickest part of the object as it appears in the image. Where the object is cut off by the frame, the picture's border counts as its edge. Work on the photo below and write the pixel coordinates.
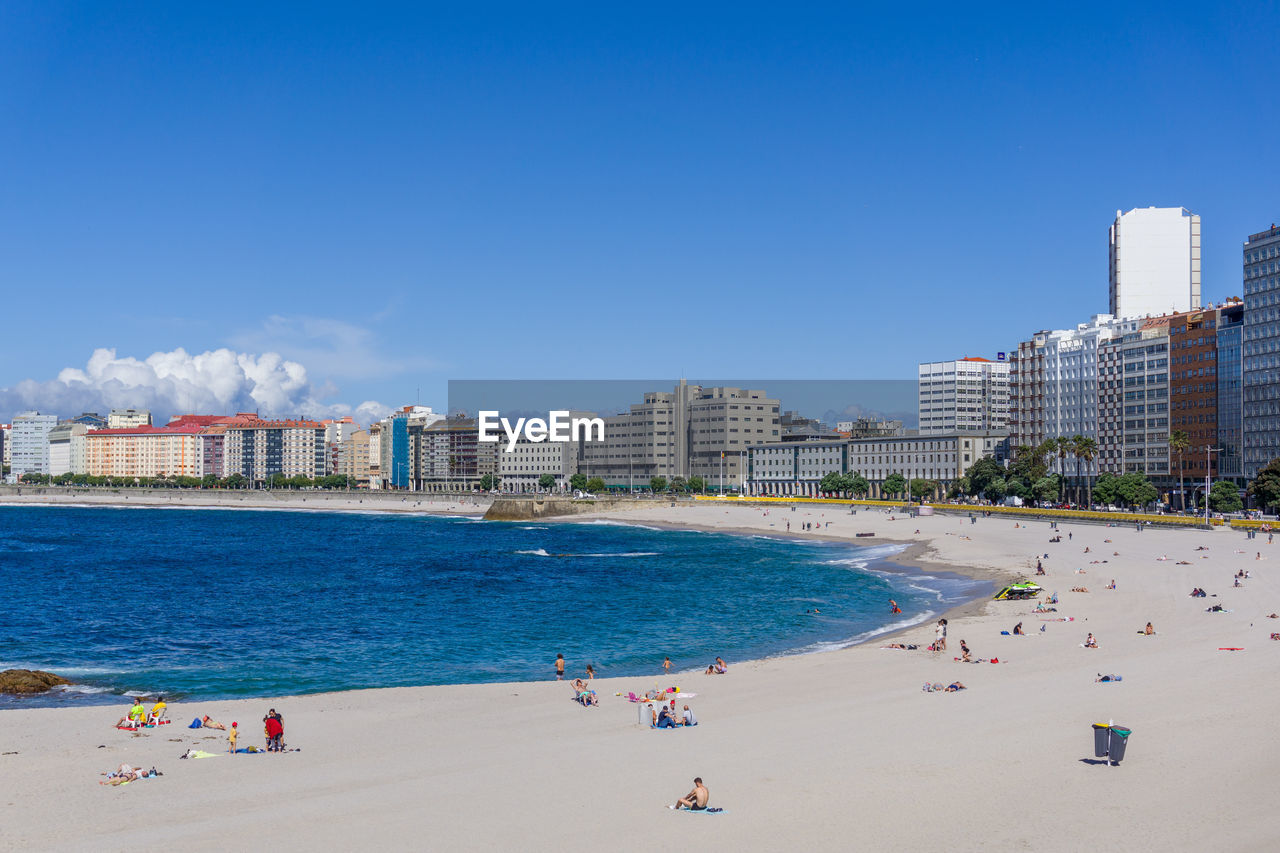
(1261, 350)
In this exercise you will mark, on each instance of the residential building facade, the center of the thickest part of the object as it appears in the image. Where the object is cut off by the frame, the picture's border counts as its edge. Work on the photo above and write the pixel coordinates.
(965, 395)
(29, 434)
(127, 418)
(1261, 350)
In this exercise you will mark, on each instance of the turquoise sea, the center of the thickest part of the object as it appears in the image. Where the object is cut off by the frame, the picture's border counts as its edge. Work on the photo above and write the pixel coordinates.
(235, 603)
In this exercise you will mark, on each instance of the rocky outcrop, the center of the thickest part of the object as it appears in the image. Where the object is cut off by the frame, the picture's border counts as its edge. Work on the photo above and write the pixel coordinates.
(28, 681)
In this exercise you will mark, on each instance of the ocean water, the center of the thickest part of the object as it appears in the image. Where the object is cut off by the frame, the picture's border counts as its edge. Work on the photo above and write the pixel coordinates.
(240, 603)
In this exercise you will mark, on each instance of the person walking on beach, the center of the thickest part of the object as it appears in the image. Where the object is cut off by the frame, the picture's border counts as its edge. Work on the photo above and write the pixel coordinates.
(559, 667)
(231, 738)
(696, 800)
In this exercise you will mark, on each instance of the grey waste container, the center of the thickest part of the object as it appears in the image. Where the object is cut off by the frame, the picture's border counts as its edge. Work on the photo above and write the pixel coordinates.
(1101, 740)
(1119, 740)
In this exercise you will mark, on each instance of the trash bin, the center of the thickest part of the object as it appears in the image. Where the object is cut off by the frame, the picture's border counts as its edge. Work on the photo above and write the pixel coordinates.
(1119, 740)
(1101, 740)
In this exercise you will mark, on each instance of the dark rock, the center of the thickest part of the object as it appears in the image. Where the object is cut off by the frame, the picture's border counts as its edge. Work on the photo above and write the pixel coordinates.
(28, 681)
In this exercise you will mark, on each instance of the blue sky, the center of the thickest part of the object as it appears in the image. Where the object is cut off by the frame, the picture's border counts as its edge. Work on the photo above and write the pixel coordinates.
(395, 195)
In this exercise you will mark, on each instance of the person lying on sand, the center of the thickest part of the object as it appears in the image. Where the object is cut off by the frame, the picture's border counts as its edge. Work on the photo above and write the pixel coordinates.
(910, 647)
(718, 668)
(210, 724)
(954, 687)
(697, 799)
(1079, 589)
(1273, 616)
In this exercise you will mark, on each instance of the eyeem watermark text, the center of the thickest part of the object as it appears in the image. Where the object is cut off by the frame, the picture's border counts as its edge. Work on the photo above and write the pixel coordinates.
(558, 427)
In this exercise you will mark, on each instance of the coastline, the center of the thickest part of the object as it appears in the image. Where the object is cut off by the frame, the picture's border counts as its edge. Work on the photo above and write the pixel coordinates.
(255, 499)
(868, 754)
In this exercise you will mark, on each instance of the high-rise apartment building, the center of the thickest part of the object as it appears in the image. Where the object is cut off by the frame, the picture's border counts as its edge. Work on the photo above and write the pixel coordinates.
(1230, 367)
(1133, 401)
(30, 436)
(1261, 350)
(966, 395)
(1054, 384)
(172, 450)
(259, 449)
(1154, 262)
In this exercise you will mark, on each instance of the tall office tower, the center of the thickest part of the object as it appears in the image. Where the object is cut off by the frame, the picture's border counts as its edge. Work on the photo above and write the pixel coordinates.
(1155, 262)
(1261, 350)
(1230, 375)
(967, 395)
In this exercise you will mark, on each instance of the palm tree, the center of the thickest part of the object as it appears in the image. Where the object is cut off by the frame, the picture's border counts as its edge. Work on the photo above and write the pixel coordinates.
(1086, 450)
(1180, 443)
(1062, 446)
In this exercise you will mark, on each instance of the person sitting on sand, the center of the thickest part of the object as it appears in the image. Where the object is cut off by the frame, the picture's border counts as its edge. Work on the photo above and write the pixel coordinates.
(964, 652)
(1148, 630)
(718, 668)
(1086, 547)
(1217, 608)
(1017, 629)
(210, 724)
(1090, 642)
(688, 719)
(954, 687)
(665, 720)
(1273, 616)
(1112, 585)
(697, 799)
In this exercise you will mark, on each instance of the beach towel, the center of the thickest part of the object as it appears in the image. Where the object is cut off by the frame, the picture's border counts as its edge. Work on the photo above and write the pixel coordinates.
(250, 750)
(709, 810)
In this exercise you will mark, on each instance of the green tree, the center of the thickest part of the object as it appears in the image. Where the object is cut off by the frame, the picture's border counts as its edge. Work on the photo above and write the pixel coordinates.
(982, 473)
(1086, 451)
(1045, 487)
(697, 484)
(1136, 490)
(547, 482)
(578, 482)
(1106, 490)
(678, 485)
(1028, 463)
(857, 485)
(1064, 446)
(959, 486)
(595, 485)
(995, 490)
(1179, 444)
(234, 481)
(1264, 489)
(658, 485)
(894, 484)
(1225, 497)
(922, 488)
(831, 483)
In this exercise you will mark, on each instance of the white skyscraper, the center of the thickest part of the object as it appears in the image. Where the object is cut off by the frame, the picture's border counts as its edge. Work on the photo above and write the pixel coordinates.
(1155, 262)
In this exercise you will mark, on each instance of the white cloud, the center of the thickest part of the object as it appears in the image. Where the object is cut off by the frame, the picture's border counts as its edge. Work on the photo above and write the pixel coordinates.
(330, 348)
(217, 382)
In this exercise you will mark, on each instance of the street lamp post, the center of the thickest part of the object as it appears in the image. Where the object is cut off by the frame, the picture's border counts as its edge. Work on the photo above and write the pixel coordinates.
(1208, 477)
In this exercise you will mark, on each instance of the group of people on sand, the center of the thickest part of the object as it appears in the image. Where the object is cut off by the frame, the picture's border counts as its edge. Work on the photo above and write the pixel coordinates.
(717, 668)
(665, 716)
(137, 716)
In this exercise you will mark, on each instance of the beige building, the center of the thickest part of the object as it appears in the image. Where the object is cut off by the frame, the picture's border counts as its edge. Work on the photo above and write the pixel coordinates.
(260, 449)
(353, 457)
(128, 418)
(687, 432)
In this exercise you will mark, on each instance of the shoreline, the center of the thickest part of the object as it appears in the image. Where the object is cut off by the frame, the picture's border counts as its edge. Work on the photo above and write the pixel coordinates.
(908, 563)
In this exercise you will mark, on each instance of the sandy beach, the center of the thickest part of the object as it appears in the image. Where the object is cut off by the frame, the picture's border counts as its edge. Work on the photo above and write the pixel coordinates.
(832, 751)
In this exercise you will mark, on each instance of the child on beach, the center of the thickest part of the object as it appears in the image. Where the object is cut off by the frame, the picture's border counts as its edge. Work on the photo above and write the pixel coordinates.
(231, 738)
